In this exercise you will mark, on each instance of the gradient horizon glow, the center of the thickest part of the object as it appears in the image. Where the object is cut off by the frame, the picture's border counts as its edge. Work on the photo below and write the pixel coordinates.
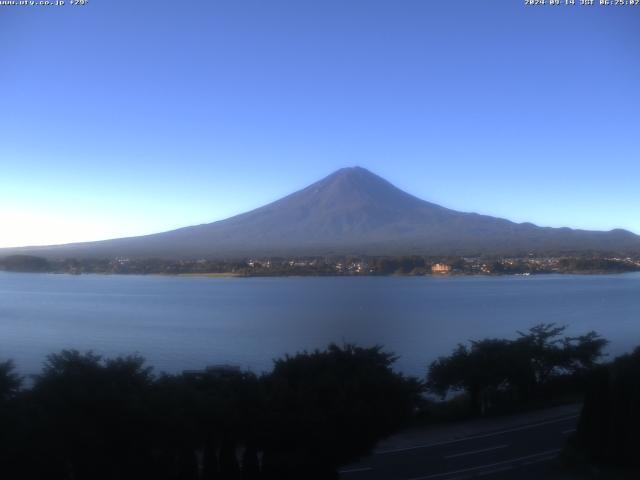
(126, 118)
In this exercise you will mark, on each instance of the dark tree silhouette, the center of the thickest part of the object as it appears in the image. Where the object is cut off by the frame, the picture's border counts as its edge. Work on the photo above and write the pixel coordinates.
(10, 431)
(10, 381)
(90, 417)
(480, 370)
(25, 263)
(522, 367)
(327, 408)
(610, 421)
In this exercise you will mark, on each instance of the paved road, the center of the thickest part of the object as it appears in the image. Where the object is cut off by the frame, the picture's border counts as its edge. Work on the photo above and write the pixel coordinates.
(520, 452)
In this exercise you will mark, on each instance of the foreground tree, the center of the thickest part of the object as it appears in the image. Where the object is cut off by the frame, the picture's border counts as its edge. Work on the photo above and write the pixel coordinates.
(92, 418)
(89, 418)
(609, 425)
(327, 408)
(519, 368)
(203, 420)
(480, 370)
(10, 381)
(10, 385)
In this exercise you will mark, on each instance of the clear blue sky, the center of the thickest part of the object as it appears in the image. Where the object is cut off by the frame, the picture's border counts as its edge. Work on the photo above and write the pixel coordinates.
(123, 118)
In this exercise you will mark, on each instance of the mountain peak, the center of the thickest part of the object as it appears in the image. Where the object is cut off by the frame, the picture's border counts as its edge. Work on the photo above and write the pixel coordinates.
(355, 170)
(353, 187)
(357, 178)
(353, 173)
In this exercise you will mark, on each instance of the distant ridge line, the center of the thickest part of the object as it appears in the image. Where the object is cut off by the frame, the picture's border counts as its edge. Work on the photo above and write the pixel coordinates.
(350, 212)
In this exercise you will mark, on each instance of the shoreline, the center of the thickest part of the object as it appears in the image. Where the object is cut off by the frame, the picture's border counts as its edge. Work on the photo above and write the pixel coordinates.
(196, 275)
(330, 275)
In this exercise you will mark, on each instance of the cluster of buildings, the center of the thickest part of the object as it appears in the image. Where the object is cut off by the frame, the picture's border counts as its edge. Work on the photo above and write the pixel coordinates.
(480, 265)
(413, 265)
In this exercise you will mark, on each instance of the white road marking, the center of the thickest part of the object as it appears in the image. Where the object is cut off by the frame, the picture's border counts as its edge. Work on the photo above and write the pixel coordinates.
(475, 437)
(489, 449)
(496, 470)
(356, 470)
(541, 459)
(548, 455)
(567, 432)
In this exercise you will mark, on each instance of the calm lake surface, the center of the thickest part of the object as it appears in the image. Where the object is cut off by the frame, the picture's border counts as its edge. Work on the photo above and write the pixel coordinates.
(181, 323)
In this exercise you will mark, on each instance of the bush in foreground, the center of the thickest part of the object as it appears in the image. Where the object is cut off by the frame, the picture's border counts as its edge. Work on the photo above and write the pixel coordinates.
(609, 425)
(87, 417)
(517, 370)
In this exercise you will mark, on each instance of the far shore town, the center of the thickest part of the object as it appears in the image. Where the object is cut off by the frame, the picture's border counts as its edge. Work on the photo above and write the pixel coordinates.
(332, 266)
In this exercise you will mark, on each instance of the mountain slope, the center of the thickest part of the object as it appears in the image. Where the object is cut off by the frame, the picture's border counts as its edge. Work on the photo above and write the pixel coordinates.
(352, 211)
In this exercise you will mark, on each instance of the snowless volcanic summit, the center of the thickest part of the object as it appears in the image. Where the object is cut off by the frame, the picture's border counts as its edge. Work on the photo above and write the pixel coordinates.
(352, 211)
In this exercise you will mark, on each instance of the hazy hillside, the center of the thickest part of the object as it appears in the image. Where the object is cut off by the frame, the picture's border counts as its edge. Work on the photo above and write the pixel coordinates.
(350, 211)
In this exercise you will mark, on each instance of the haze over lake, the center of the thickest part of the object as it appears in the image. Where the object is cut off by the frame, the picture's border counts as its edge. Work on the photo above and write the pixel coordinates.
(184, 322)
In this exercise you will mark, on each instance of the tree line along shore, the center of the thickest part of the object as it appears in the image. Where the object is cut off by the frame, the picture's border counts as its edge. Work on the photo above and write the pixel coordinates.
(331, 266)
(88, 417)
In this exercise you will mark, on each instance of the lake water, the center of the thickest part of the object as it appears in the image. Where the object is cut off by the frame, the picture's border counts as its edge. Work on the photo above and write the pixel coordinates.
(184, 322)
